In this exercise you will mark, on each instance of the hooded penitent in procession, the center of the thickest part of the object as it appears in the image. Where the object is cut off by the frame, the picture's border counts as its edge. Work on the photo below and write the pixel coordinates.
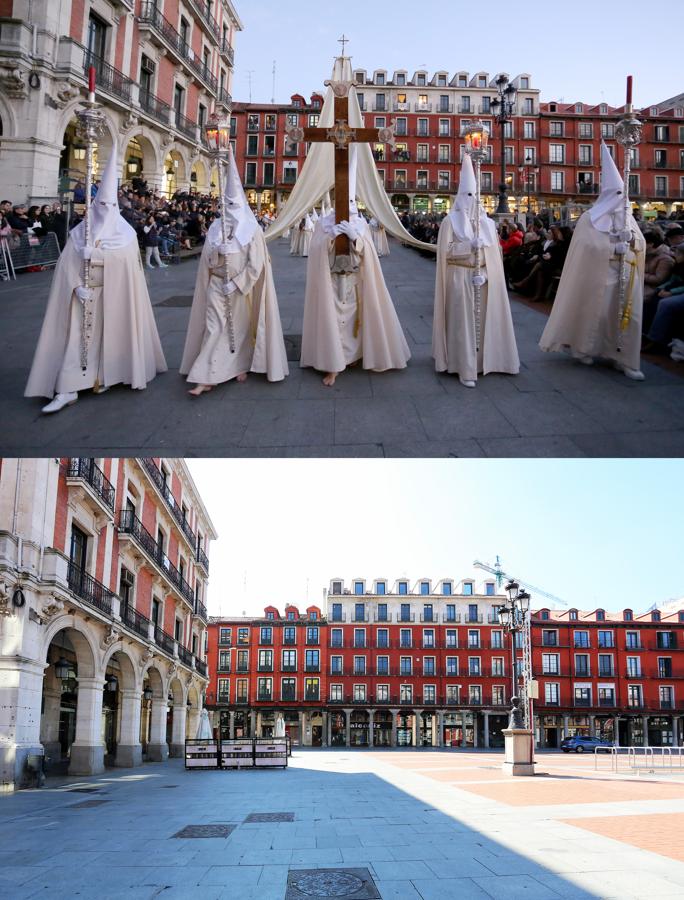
(379, 235)
(587, 317)
(349, 317)
(237, 272)
(454, 343)
(123, 345)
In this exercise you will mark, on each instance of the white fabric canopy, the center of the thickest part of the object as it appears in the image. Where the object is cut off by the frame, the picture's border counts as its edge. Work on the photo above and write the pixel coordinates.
(318, 173)
(238, 212)
(107, 227)
(611, 199)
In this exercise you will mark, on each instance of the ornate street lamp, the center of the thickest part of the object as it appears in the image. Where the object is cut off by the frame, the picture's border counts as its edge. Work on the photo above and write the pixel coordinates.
(217, 139)
(63, 669)
(502, 107)
(514, 618)
(476, 140)
(527, 172)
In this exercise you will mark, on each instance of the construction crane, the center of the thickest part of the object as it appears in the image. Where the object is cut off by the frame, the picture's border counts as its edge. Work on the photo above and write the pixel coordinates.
(502, 576)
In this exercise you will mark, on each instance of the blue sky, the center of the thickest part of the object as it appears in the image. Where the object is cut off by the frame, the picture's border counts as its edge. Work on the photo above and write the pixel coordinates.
(592, 532)
(574, 51)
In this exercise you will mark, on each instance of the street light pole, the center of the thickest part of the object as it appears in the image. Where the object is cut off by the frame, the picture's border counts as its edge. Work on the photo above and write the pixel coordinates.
(503, 106)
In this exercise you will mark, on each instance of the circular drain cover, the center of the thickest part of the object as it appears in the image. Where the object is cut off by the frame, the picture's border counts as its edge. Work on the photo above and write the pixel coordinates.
(329, 884)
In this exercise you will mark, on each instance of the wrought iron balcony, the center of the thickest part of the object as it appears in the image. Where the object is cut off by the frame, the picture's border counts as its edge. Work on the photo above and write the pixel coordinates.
(264, 697)
(185, 656)
(159, 481)
(136, 621)
(201, 611)
(288, 696)
(312, 667)
(129, 523)
(202, 559)
(155, 107)
(205, 19)
(164, 640)
(225, 99)
(89, 589)
(241, 701)
(107, 78)
(151, 19)
(227, 51)
(223, 697)
(186, 126)
(201, 667)
(86, 470)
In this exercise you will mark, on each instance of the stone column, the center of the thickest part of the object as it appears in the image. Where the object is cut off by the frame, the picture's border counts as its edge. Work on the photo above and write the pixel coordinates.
(644, 720)
(393, 738)
(325, 739)
(177, 748)
(435, 733)
(592, 725)
(566, 726)
(417, 727)
(258, 733)
(616, 731)
(129, 748)
(347, 727)
(87, 750)
(370, 728)
(231, 725)
(49, 723)
(302, 728)
(463, 729)
(440, 729)
(158, 749)
(486, 730)
(252, 723)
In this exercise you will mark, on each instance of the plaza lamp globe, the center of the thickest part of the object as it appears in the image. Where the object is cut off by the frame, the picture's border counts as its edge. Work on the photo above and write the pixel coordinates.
(512, 590)
(147, 693)
(111, 682)
(524, 600)
(476, 139)
(63, 669)
(217, 133)
(504, 616)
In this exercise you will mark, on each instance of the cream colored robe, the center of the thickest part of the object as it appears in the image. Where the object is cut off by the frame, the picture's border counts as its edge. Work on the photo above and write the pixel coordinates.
(125, 348)
(328, 340)
(259, 344)
(585, 313)
(453, 329)
(379, 235)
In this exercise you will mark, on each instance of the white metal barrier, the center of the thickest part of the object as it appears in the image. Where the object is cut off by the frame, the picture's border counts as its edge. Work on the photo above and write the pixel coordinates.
(6, 265)
(640, 759)
(27, 251)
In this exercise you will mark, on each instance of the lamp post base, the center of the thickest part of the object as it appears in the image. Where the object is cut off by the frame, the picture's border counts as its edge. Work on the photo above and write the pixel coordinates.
(519, 756)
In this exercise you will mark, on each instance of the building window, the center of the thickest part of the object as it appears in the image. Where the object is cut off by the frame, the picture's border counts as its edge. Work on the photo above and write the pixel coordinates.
(382, 664)
(475, 694)
(666, 639)
(581, 639)
(429, 665)
(473, 638)
(312, 634)
(557, 181)
(359, 612)
(429, 695)
(633, 640)
(224, 660)
(382, 637)
(264, 689)
(557, 153)
(225, 636)
(380, 588)
(550, 664)
(451, 637)
(498, 695)
(265, 660)
(405, 612)
(336, 637)
(582, 696)
(556, 129)
(337, 612)
(428, 612)
(403, 587)
(314, 119)
(266, 635)
(582, 664)
(241, 691)
(634, 695)
(497, 666)
(664, 667)
(223, 690)
(405, 665)
(359, 637)
(428, 637)
(451, 612)
(336, 692)
(242, 660)
(382, 612)
(606, 696)
(359, 665)
(496, 639)
(243, 636)
(605, 661)
(312, 661)
(452, 665)
(551, 694)
(473, 614)
(288, 688)
(666, 697)
(359, 693)
(633, 666)
(473, 665)
(312, 689)
(607, 130)
(382, 693)
(489, 589)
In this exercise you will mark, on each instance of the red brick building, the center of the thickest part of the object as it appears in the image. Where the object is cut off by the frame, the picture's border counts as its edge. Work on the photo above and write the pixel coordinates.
(427, 664)
(551, 149)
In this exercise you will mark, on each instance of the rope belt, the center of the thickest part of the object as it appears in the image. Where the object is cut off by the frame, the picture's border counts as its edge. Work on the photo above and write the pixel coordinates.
(626, 316)
(461, 263)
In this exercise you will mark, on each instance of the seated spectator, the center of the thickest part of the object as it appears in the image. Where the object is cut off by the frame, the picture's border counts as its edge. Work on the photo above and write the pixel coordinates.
(657, 270)
(668, 321)
(510, 239)
(674, 236)
(548, 265)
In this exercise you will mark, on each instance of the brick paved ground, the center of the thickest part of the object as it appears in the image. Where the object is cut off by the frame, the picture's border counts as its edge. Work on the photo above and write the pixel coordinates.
(555, 407)
(598, 836)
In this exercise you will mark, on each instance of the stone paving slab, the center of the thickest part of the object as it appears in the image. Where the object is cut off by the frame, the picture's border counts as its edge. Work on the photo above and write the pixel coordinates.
(555, 407)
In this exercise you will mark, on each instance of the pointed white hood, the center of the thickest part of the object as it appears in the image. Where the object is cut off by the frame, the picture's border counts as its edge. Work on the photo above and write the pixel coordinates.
(238, 212)
(611, 199)
(108, 229)
(462, 213)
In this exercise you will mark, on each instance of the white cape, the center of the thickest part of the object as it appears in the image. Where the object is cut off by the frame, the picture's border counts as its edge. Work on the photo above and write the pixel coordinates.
(383, 345)
(453, 330)
(585, 313)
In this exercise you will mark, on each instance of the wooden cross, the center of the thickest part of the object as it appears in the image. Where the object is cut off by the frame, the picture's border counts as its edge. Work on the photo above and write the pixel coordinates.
(341, 135)
(343, 40)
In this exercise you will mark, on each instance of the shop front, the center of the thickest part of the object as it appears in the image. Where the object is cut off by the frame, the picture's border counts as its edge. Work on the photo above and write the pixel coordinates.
(382, 728)
(359, 728)
(405, 724)
(337, 729)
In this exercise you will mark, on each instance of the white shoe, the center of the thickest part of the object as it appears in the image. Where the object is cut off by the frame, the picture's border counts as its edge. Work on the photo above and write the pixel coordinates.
(60, 401)
(583, 358)
(102, 389)
(634, 374)
(163, 266)
(466, 383)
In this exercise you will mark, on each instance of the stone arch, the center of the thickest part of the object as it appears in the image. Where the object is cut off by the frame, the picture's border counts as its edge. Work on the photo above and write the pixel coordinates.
(201, 182)
(131, 680)
(87, 654)
(154, 676)
(149, 153)
(8, 120)
(176, 170)
(72, 147)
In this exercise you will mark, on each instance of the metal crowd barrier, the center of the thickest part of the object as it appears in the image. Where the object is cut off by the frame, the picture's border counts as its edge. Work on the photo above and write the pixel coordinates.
(641, 758)
(27, 251)
(243, 753)
(6, 265)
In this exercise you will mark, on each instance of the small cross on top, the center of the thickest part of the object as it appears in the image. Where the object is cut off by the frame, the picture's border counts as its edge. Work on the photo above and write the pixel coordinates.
(343, 40)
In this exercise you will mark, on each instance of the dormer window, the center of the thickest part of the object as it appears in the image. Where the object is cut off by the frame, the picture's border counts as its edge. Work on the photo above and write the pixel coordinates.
(401, 80)
(403, 587)
(655, 616)
(420, 79)
(524, 84)
(468, 588)
(360, 77)
(337, 587)
(358, 587)
(316, 103)
(572, 615)
(425, 587)
(380, 78)
(603, 109)
(462, 81)
(446, 588)
(290, 614)
(681, 616)
(380, 587)
(628, 615)
(654, 110)
(579, 107)
(489, 589)
(553, 107)
(313, 615)
(544, 614)
(600, 615)
(441, 80)
(270, 615)
(482, 81)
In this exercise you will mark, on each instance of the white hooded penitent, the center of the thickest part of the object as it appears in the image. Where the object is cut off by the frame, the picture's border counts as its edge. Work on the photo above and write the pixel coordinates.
(611, 200)
(108, 229)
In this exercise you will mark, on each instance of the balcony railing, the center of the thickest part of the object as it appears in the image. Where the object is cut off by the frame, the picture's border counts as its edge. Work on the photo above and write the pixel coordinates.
(225, 98)
(151, 17)
(224, 698)
(186, 126)
(89, 589)
(129, 523)
(107, 78)
(135, 620)
(164, 640)
(86, 470)
(157, 477)
(201, 667)
(312, 667)
(264, 697)
(201, 611)
(185, 655)
(241, 701)
(206, 20)
(155, 107)
(227, 51)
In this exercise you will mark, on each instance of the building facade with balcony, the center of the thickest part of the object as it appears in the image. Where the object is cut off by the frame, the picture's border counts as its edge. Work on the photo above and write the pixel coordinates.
(552, 150)
(426, 663)
(103, 576)
(162, 66)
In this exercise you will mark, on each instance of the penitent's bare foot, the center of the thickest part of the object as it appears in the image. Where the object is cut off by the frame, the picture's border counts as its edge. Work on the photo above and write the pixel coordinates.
(242, 378)
(200, 389)
(329, 379)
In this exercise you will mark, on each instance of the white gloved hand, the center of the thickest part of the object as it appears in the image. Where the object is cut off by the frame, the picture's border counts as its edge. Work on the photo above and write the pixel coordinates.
(477, 244)
(84, 294)
(224, 249)
(348, 229)
(479, 280)
(229, 288)
(86, 252)
(621, 249)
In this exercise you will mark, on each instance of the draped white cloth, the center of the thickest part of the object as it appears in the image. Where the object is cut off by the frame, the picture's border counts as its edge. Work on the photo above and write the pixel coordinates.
(318, 173)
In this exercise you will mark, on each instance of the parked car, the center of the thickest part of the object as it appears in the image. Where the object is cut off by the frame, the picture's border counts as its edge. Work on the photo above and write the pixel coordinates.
(582, 744)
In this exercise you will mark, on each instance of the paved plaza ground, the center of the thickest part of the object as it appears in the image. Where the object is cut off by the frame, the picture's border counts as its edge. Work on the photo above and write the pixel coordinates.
(555, 407)
(424, 824)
